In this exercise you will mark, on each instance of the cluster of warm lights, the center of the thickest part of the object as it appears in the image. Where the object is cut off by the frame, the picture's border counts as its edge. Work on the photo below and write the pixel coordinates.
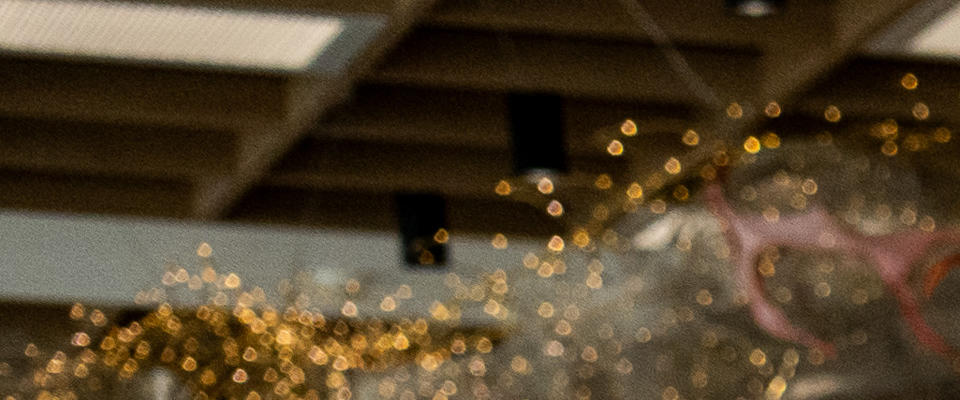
(238, 346)
(588, 324)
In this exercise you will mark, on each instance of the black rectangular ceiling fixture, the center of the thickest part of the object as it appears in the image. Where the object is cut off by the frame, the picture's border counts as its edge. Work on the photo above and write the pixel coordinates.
(536, 128)
(423, 222)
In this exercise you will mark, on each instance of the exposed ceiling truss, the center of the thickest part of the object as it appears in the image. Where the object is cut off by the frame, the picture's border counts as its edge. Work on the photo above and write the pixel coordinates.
(423, 109)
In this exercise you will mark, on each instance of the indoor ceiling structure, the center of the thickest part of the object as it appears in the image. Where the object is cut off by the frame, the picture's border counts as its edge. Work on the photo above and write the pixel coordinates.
(358, 100)
(347, 114)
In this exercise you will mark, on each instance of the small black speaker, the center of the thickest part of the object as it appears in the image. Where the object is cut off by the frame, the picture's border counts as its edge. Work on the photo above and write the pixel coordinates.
(537, 132)
(423, 223)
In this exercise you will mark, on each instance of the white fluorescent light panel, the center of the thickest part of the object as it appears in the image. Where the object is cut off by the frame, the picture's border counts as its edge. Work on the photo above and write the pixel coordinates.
(165, 33)
(941, 38)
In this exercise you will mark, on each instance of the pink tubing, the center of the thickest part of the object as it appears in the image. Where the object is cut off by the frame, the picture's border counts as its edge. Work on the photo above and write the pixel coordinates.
(891, 256)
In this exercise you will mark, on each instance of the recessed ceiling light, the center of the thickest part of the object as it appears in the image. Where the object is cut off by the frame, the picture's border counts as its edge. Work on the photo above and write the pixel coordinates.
(165, 33)
(755, 8)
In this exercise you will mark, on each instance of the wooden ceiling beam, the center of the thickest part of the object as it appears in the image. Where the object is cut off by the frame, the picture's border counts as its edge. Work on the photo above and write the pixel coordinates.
(118, 122)
(375, 211)
(113, 149)
(869, 87)
(698, 22)
(832, 33)
(443, 121)
(625, 70)
(132, 94)
(308, 98)
(801, 43)
(811, 46)
(330, 7)
(71, 193)
(388, 168)
(478, 120)
(819, 38)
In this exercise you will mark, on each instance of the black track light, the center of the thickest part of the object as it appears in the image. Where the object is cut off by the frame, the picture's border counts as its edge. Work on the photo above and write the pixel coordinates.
(423, 233)
(537, 132)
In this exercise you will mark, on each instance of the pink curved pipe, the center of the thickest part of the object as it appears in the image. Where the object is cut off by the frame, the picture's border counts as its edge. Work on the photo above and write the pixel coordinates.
(891, 256)
(938, 273)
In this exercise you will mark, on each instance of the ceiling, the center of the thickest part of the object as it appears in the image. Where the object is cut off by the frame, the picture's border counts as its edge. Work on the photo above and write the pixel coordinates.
(421, 107)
